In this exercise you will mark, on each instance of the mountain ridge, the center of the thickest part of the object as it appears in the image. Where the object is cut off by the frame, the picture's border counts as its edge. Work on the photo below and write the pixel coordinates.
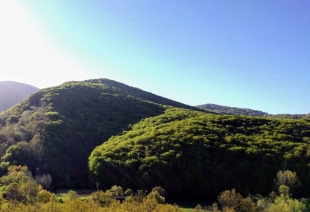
(12, 92)
(247, 111)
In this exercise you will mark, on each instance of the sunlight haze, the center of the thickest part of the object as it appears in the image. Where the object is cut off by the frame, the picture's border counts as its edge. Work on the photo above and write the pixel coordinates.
(248, 54)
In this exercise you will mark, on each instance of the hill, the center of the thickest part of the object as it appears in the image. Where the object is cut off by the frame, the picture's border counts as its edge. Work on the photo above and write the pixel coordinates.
(54, 130)
(13, 92)
(231, 110)
(107, 132)
(195, 155)
(248, 112)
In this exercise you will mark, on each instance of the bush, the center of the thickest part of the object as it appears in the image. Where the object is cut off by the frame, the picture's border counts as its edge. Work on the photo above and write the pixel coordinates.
(102, 198)
(44, 196)
(233, 201)
(12, 192)
(13, 119)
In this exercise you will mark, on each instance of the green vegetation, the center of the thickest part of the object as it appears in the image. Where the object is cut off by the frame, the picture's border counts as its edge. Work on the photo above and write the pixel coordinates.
(54, 130)
(99, 133)
(195, 155)
(23, 193)
(281, 200)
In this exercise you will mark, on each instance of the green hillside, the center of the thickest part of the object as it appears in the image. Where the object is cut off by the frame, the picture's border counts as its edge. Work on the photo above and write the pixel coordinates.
(197, 155)
(13, 92)
(107, 132)
(54, 130)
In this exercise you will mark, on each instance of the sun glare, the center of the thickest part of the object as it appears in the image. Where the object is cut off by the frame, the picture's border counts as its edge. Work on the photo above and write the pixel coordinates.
(23, 55)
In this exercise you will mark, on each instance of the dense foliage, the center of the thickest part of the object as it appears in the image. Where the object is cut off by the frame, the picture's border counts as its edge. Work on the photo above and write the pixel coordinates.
(289, 116)
(194, 154)
(54, 130)
(145, 141)
(20, 191)
(279, 200)
(13, 92)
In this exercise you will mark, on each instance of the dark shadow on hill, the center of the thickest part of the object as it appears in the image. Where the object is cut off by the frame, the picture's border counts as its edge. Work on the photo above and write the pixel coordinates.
(87, 123)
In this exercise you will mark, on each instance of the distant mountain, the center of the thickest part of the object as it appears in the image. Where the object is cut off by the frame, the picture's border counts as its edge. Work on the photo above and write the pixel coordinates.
(232, 110)
(248, 112)
(13, 92)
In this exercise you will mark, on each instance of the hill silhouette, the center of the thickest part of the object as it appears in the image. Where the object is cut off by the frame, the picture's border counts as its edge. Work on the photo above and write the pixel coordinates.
(248, 112)
(13, 92)
(232, 110)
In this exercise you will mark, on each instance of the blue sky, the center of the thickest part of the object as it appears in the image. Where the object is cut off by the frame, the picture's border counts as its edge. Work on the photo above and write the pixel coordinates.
(249, 54)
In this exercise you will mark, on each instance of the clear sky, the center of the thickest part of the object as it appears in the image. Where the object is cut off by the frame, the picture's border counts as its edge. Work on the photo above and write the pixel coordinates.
(250, 54)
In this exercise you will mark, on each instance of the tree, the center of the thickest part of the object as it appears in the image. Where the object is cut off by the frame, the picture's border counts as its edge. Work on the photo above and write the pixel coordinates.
(156, 196)
(102, 198)
(198, 208)
(115, 191)
(29, 189)
(160, 190)
(286, 204)
(233, 201)
(12, 192)
(72, 195)
(287, 178)
(128, 192)
(44, 196)
(44, 180)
